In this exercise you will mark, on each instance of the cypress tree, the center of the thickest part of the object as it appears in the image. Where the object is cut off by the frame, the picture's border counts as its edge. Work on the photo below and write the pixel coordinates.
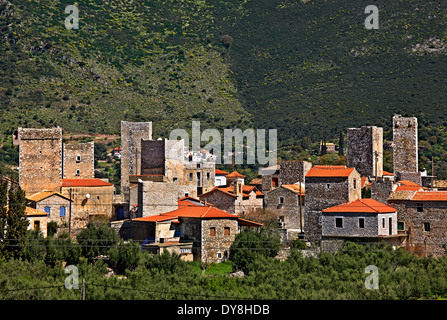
(3, 213)
(17, 224)
(341, 145)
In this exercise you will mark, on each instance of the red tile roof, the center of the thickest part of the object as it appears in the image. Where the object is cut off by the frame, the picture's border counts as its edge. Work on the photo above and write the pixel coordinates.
(95, 182)
(45, 194)
(329, 171)
(294, 187)
(221, 172)
(362, 205)
(386, 173)
(202, 212)
(430, 196)
(235, 174)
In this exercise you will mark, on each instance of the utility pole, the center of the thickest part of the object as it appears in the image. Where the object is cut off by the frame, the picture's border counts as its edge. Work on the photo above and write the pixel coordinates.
(300, 195)
(83, 289)
(69, 215)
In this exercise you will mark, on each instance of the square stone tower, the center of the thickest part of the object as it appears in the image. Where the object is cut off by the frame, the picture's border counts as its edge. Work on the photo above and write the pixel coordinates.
(365, 150)
(405, 144)
(78, 160)
(131, 135)
(40, 159)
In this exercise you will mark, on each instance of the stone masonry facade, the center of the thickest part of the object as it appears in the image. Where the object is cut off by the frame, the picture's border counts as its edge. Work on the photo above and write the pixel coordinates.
(365, 150)
(405, 144)
(78, 160)
(40, 159)
(131, 135)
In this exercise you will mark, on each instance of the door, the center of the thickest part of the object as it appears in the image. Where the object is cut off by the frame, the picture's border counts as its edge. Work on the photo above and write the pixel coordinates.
(390, 226)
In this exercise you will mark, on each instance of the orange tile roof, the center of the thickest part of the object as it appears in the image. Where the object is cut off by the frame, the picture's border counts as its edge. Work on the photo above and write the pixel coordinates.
(430, 196)
(202, 212)
(408, 188)
(386, 173)
(293, 187)
(329, 171)
(408, 183)
(362, 205)
(45, 194)
(217, 171)
(95, 182)
(235, 174)
(34, 212)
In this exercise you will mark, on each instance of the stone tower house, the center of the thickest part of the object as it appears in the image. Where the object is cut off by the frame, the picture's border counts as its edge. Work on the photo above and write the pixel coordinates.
(365, 150)
(131, 135)
(40, 159)
(405, 144)
(78, 160)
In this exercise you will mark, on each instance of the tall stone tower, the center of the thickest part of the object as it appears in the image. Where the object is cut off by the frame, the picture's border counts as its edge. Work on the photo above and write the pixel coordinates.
(131, 135)
(78, 160)
(40, 159)
(405, 144)
(365, 150)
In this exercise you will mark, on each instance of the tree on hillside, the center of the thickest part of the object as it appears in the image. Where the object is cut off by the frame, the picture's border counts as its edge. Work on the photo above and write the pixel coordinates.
(17, 223)
(3, 212)
(341, 145)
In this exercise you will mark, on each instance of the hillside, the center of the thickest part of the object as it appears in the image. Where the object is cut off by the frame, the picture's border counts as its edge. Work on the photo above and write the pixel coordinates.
(307, 68)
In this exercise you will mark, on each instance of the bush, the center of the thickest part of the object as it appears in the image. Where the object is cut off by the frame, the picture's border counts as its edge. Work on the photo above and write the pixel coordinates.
(125, 255)
(96, 239)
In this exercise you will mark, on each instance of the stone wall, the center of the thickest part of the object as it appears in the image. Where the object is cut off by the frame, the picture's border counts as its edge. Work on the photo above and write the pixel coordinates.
(365, 150)
(405, 144)
(322, 193)
(289, 210)
(291, 172)
(153, 157)
(79, 160)
(54, 203)
(131, 135)
(381, 190)
(160, 197)
(40, 159)
(418, 240)
(215, 249)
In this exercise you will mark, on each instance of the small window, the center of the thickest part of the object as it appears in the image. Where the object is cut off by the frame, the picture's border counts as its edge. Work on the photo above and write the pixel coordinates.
(36, 225)
(355, 183)
(208, 176)
(419, 207)
(186, 194)
(361, 223)
(400, 225)
(40, 151)
(190, 176)
(62, 211)
(219, 255)
(174, 179)
(226, 231)
(198, 166)
(281, 200)
(426, 226)
(383, 222)
(47, 210)
(78, 158)
(339, 222)
(97, 197)
(78, 172)
(212, 232)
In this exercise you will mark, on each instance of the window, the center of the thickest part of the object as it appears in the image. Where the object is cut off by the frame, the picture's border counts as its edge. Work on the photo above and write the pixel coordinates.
(36, 225)
(186, 194)
(78, 172)
(281, 200)
(190, 176)
(426, 226)
(62, 211)
(355, 183)
(339, 222)
(219, 255)
(212, 232)
(198, 166)
(78, 158)
(174, 179)
(226, 231)
(47, 210)
(400, 225)
(208, 176)
(419, 207)
(383, 222)
(361, 223)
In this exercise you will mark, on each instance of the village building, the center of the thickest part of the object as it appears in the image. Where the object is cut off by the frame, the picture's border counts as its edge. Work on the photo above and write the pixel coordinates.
(92, 200)
(360, 219)
(327, 186)
(56, 206)
(421, 216)
(235, 197)
(287, 202)
(38, 220)
(203, 230)
(78, 160)
(219, 178)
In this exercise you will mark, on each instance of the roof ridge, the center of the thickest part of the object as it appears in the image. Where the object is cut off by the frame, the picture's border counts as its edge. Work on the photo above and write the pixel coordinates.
(377, 211)
(203, 215)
